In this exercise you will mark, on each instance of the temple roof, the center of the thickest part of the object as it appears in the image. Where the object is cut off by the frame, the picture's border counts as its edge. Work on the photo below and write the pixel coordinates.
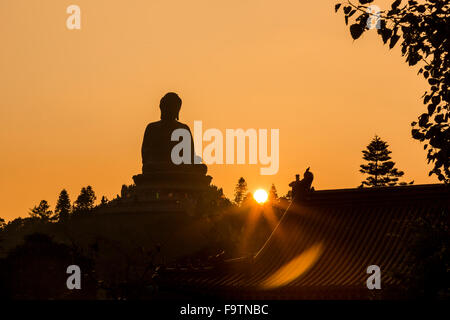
(322, 247)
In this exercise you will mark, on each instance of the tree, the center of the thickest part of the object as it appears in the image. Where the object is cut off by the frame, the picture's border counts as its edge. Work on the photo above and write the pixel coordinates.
(288, 195)
(273, 195)
(35, 270)
(429, 274)
(104, 201)
(2, 222)
(42, 211)
(424, 29)
(124, 192)
(62, 208)
(240, 191)
(380, 169)
(85, 200)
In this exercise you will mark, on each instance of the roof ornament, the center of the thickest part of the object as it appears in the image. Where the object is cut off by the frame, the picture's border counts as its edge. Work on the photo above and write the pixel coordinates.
(301, 188)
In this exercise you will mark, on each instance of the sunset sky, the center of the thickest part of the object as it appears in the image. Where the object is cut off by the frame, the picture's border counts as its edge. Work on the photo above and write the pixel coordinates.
(75, 103)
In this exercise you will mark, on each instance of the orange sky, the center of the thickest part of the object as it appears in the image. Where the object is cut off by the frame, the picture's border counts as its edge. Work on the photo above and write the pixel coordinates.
(74, 104)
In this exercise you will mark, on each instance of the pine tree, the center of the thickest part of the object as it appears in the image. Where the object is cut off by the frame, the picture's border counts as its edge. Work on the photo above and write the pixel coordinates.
(42, 211)
(62, 208)
(380, 169)
(85, 200)
(273, 195)
(240, 191)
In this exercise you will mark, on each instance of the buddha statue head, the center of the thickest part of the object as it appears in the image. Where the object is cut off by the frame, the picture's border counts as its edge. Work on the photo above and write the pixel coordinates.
(170, 106)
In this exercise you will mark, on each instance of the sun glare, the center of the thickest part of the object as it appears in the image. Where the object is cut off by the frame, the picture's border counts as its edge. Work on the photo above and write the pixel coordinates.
(260, 195)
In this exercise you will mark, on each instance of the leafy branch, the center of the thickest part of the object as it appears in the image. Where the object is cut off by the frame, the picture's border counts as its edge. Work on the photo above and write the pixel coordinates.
(423, 29)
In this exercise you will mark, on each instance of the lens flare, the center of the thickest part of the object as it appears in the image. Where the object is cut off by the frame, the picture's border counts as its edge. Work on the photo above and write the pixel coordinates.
(294, 268)
(260, 195)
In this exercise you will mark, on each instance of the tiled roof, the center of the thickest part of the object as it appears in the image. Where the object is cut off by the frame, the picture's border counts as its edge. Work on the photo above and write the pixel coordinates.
(322, 247)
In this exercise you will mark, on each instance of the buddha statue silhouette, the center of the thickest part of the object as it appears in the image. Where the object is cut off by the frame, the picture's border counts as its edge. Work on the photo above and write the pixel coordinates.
(157, 145)
(160, 174)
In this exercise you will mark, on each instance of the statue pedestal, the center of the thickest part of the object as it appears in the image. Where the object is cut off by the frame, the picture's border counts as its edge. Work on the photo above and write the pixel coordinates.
(166, 185)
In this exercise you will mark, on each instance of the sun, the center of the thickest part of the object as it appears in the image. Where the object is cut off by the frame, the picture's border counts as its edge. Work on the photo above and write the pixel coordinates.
(260, 195)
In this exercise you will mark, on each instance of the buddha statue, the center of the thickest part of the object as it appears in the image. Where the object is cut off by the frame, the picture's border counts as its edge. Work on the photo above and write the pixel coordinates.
(157, 144)
(160, 176)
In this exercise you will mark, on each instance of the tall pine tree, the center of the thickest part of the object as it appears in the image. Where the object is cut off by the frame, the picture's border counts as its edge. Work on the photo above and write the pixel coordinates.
(380, 169)
(62, 208)
(240, 191)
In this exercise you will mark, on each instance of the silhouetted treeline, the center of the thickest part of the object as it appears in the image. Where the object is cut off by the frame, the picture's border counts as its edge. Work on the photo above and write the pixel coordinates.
(120, 251)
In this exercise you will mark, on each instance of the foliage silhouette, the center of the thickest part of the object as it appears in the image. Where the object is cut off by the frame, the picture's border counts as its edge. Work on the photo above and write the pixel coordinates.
(36, 269)
(104, 200)
(43, 212)
(380, 169)
(288, 196)
(85, 200)
(240, 191)
(63, 207)
(423, 28)
(273, 195)
(122, 249)
(428, 275)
